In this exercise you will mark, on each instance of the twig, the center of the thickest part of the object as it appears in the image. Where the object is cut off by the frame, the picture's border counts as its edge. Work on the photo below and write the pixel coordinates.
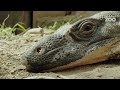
(5, 19)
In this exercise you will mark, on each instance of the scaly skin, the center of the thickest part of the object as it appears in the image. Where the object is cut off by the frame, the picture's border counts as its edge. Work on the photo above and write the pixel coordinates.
(87, 41)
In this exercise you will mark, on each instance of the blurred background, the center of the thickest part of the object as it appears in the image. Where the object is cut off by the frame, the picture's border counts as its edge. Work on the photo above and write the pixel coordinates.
(41, 18)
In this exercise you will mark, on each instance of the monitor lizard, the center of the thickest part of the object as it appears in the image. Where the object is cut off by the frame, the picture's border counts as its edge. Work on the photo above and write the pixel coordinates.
(89, 40)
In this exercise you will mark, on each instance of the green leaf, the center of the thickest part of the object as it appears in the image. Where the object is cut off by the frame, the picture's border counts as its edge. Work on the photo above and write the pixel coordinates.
(20, 27)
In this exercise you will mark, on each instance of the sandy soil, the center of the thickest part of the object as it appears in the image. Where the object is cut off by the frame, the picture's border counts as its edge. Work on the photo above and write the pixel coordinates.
(11, 63)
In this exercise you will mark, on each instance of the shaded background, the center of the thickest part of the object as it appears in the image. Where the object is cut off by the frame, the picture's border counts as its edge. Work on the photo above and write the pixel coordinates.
(38, 18)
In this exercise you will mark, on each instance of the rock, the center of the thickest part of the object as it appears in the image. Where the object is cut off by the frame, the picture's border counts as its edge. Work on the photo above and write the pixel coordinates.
(35, 31)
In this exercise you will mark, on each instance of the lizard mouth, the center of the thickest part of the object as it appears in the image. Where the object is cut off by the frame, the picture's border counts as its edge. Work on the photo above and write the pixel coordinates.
(108, 51)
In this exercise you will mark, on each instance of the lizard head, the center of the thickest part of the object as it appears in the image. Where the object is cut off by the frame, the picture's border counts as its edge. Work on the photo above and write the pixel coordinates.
(89, 40)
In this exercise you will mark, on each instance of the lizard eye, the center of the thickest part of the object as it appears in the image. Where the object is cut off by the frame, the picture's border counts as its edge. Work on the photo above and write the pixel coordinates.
(87, 28)
(83, 30)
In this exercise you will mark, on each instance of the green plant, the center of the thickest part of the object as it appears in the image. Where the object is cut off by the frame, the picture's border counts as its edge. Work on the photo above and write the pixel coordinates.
(19, 26)
(7, 31)
(56, 25)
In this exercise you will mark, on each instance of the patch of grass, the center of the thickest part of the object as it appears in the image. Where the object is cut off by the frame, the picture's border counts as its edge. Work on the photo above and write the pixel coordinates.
(56, 25)
(7, 31)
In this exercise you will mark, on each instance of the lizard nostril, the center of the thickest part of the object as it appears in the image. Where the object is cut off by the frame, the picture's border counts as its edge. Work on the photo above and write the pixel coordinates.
(40, 50)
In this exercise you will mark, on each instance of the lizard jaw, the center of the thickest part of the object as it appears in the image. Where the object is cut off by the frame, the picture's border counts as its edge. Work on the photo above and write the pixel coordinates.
(101, 54)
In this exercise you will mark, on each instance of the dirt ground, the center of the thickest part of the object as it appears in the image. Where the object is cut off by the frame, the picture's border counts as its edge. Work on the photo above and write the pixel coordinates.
(11, 63)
